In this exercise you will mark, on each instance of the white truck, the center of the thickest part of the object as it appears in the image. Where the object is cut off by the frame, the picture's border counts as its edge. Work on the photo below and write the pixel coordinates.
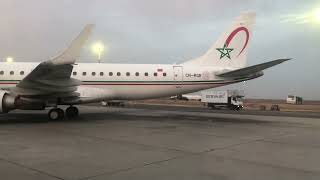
(291, 99)
(230, 99)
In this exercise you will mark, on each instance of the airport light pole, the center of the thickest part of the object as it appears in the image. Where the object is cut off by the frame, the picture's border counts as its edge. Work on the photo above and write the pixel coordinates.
(9, 59)
(316, 15)
(98, 49)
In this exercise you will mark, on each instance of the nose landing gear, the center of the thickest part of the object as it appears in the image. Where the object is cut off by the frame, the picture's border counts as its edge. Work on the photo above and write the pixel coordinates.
(58, 114)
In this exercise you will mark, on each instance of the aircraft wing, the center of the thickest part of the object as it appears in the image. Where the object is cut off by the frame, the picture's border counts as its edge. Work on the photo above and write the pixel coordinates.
(52, 77)
(251, 69)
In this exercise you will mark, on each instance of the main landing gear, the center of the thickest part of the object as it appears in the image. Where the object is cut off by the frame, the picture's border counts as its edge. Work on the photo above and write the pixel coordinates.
(58, 114)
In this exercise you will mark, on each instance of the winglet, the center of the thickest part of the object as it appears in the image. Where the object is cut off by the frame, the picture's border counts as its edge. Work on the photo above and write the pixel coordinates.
(70, 55)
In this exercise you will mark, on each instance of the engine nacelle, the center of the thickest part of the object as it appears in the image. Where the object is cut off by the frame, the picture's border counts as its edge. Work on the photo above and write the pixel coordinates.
(7, 102)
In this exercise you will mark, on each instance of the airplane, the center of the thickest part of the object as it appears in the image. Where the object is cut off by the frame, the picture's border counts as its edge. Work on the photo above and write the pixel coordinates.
(61, 81)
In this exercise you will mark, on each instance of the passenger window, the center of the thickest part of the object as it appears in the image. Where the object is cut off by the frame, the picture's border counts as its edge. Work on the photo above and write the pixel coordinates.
(21, 72)
(128, 74)
(1, 72)
(74, 73)
(118, 74)
(11, 73)
(146, 74)
(155, 74)
(93, 73)
(101, 73)
(110, 73)
(84, 73)
(137, 74)
(164, 74)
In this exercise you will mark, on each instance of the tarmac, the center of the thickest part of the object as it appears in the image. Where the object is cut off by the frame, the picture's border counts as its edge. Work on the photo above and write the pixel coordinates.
(158, 142)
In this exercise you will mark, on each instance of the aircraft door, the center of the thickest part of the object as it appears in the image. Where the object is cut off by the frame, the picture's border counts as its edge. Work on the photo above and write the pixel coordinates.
(178, 76)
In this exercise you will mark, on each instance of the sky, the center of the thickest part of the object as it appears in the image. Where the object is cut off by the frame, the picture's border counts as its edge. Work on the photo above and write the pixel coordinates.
(171, 31)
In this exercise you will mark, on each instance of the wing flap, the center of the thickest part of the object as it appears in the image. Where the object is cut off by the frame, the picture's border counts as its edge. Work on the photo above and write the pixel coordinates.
(61, 82)
(41, 93)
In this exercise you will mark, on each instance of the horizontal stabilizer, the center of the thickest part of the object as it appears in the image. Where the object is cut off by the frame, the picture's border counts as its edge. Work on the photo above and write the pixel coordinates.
(251, 69)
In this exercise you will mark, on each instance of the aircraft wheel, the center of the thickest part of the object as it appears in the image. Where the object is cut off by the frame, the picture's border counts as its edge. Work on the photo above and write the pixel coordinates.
(72, 112)
(56, 114)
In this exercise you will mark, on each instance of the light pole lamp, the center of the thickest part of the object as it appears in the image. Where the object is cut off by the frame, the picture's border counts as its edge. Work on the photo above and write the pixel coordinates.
(98, 49)
(9, 59)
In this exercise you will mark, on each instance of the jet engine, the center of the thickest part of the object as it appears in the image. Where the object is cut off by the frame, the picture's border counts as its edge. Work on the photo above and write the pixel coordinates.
(9, 102)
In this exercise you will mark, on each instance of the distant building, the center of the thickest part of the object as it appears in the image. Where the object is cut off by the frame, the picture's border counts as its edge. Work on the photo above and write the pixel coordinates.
(291, 99)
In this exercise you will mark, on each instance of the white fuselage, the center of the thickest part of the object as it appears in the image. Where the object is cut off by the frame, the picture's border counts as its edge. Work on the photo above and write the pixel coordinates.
(127, 81)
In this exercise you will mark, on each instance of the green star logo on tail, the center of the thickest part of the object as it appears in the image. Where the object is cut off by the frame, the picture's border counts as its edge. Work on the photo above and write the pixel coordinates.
(225, 51)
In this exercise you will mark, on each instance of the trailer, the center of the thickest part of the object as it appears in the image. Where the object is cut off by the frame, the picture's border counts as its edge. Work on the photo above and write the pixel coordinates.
(291, 99)
(186, 97)
(230, 99)
(113, 103)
